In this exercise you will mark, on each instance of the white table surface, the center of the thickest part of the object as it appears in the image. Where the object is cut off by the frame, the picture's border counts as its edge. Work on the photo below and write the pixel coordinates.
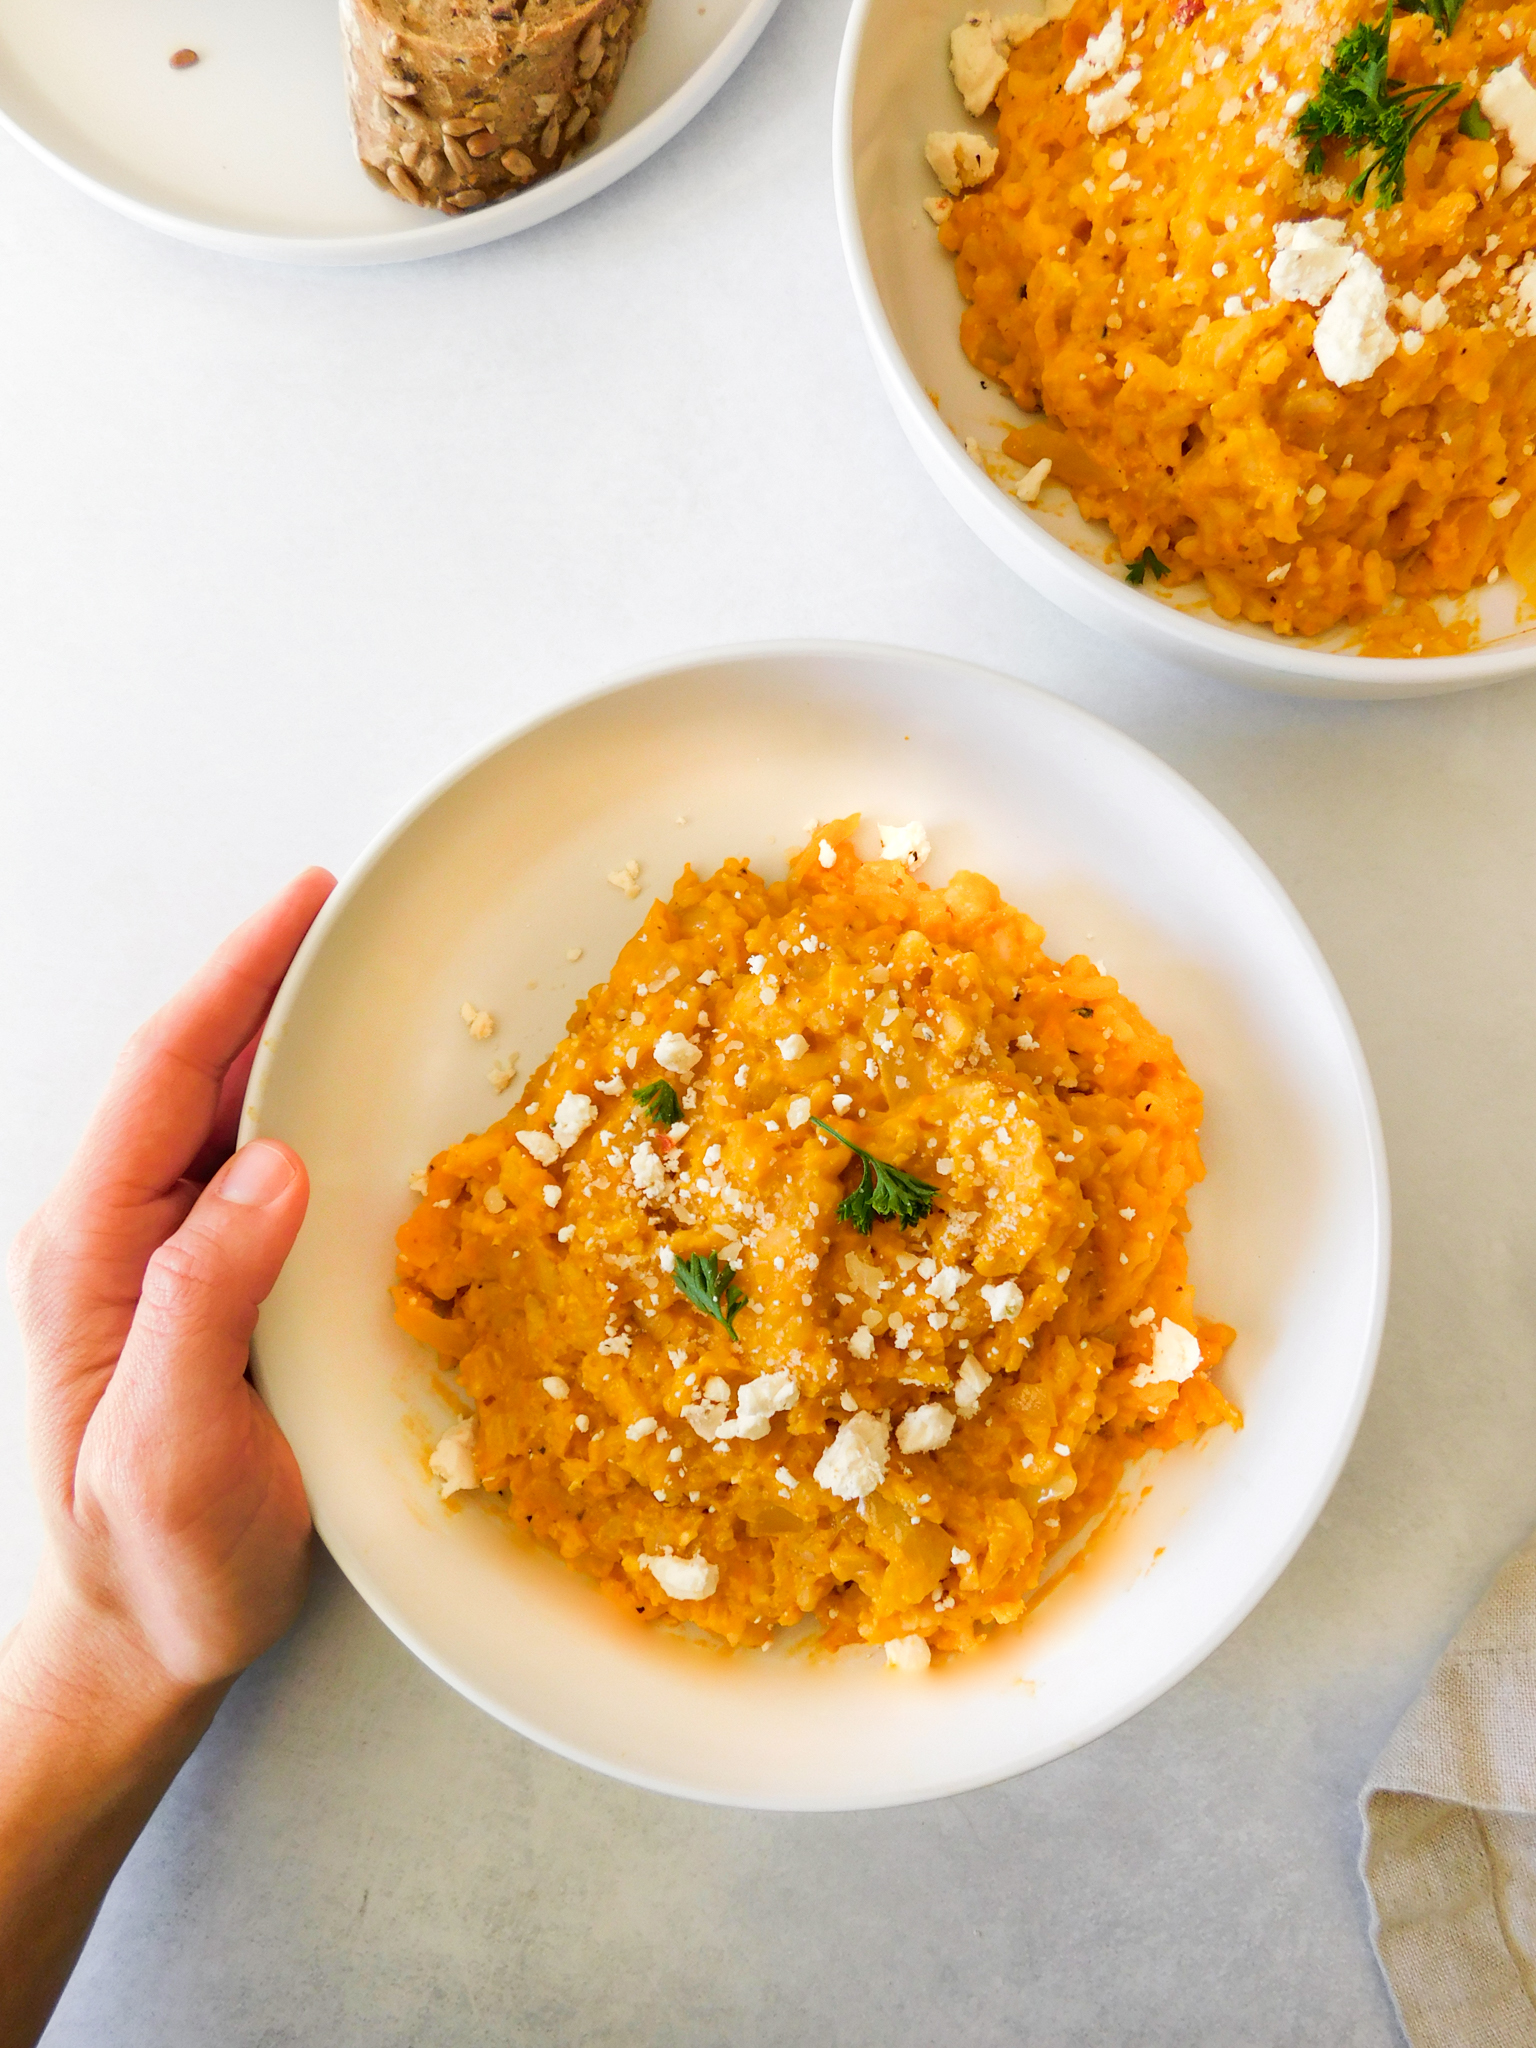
(278, 546)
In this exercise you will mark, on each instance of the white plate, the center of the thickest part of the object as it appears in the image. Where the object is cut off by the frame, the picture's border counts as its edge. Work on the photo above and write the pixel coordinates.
(893, 87)
(477, 894)
(250, 150)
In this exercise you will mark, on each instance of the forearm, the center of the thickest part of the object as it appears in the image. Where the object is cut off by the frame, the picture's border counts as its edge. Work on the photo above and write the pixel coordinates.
(91, 1735)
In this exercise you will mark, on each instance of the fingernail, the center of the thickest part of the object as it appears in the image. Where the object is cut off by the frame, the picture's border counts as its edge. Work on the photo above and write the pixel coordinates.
(257, 1174)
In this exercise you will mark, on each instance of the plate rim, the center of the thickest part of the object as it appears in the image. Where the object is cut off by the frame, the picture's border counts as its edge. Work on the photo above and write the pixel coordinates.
(1303, 1515)
(552, 196)
(1011, 533)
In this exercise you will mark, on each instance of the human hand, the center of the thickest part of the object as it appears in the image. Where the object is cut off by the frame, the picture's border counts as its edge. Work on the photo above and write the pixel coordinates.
(176, 1522)
(177, 1532)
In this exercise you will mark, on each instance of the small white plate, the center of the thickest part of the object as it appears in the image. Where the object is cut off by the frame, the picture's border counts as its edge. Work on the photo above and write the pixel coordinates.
(477, 894)
(250, 150)
(894, 87)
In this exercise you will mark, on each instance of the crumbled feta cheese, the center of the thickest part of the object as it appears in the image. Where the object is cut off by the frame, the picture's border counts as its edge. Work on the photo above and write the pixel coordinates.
(643, 1425)
(453, 1460)
(481, 1023)
(978, 61)
(552, 1197)
(978, 54)
(756, 962)
(1142, 1317)
(794, 1047)
(1103, 52)
(1032, 482)
(503, 1073)
(627, 879)
(1004, 1300)
(1310, 260)
(617, 1344)
(418, 1182)
(959, 1556)
(494, 1200)
(862, 1343)
(907, 843)
(908, 1653)
(647, 1171)
(943, 1283)
(683, 1578)
(759, 1400)
(1500, 507)
(1509, 101)
(572, 1116)
(866, 1275)
(1107, 109)
(711, 1418)
(743, 1075)
(1175, 1355)
(556, 1388)
(1352, 339)
(541, 1145)
(938, 207)
(971, 1382)
(958, 161)
(676, 1054)
(854, 1463)
(799, 1112)
(614, 1085)
(925, 1429)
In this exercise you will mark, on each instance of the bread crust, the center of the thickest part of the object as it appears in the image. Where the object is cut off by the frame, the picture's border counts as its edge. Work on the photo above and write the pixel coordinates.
(454, 104)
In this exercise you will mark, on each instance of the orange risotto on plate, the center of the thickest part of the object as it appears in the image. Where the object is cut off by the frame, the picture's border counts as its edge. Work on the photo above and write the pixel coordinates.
(1266, 269)
(831, 1266)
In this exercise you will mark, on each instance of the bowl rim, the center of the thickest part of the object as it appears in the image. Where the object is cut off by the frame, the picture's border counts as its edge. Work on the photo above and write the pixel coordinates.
(1098, 600)
(583, 179)
(1305, 1512)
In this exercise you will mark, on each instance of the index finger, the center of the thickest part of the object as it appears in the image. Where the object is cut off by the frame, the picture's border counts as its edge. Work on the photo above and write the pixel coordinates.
(160, 1106)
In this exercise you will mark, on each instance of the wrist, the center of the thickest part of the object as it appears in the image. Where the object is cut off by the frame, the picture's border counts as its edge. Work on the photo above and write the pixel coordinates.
(81, 1668)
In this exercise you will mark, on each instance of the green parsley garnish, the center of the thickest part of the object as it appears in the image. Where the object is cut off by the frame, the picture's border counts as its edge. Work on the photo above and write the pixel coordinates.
(1137, 571)
(1443, 13)
(659, 1101)
(1356, 103)
(883, 1189)
(1475, 122)
(710, 1287)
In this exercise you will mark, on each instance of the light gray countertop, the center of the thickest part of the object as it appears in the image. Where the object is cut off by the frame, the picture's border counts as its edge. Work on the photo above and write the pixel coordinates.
(278, 546)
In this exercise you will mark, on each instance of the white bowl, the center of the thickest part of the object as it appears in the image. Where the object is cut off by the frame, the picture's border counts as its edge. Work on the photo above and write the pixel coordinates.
(893, 87)
(476, 894)
(250, 151)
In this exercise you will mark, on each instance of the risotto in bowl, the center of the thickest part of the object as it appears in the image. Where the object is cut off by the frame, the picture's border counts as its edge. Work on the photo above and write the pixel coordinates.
(747, 1255)
(1219, 320)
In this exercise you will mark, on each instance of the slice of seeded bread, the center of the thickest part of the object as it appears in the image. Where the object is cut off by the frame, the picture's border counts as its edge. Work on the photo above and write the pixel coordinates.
(457, 102)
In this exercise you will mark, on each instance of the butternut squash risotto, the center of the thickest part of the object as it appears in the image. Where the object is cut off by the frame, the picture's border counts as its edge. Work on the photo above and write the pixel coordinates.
(832, 1265)
(1266, 267)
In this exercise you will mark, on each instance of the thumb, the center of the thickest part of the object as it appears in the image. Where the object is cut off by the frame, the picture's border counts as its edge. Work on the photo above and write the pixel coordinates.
(191, 1332)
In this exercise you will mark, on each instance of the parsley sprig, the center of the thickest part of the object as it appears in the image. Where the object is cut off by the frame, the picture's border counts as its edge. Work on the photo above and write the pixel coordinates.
(1474, 122)
(883, 1189)
(710, 1287)
(659, 1101)
(1358, 104)
(1136, 572)
(1443, 13)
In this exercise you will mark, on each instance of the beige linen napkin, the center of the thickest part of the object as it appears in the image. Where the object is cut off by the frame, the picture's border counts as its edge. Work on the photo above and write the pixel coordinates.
(1450, 1834)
